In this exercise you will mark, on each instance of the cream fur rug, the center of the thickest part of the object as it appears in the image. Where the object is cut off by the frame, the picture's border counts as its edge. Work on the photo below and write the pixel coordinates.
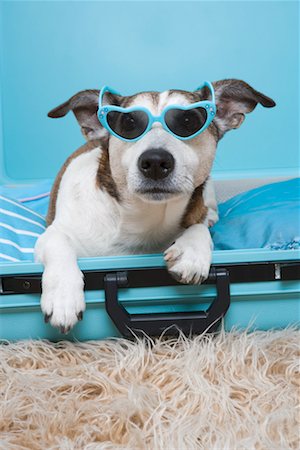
(235, 391)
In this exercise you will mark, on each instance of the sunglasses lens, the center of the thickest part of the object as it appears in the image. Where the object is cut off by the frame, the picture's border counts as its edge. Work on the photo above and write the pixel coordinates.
(185, 122)
(128, 125)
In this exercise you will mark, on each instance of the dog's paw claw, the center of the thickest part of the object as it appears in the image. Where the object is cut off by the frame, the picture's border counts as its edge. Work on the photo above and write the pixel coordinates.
(47, 317)
(80, 315)
(176, 276)
(64, 330)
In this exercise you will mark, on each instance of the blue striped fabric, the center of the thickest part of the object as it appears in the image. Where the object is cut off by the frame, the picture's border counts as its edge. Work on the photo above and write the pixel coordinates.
(19, 230)
(34, 195)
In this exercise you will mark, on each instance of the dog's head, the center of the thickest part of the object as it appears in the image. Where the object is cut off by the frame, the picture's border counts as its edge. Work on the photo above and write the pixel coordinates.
(159, 166)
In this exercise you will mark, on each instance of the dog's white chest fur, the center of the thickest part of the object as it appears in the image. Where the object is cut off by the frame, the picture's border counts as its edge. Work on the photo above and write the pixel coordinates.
(99, 225)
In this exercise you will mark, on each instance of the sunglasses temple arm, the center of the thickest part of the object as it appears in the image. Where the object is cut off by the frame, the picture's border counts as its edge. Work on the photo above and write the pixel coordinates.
(210, 87)
(102, 92)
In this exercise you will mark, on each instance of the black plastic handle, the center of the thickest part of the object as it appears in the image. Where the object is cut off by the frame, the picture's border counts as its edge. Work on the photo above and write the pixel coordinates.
(154, 324)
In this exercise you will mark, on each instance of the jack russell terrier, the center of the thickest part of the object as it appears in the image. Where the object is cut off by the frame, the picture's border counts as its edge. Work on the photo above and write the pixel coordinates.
(139, 185)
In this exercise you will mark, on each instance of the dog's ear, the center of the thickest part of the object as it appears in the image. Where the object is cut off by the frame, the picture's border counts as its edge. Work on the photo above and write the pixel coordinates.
(235, 98)
(84, 105)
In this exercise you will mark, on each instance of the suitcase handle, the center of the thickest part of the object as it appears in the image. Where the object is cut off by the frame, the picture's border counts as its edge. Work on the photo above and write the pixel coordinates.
(155, 323)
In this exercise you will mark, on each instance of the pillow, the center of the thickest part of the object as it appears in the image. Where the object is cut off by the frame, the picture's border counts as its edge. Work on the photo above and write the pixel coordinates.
(19, 229)
(265, 217)
(33, 195)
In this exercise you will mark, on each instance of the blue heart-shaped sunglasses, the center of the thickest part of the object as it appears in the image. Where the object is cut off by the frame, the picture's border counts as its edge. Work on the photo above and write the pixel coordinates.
(183, 122)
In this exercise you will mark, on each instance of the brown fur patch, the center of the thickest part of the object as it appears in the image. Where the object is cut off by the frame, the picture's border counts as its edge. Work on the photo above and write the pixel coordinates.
(196, 210)
(91, 145)
(104, 178)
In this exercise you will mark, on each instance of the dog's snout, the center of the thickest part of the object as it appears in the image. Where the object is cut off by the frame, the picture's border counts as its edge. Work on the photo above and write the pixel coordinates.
(156, 163)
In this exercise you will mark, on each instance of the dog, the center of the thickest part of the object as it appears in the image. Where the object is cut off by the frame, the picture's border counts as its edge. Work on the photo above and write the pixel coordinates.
(115, 196)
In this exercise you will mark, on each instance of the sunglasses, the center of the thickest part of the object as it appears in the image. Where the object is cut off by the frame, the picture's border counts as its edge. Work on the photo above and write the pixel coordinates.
(183, 122)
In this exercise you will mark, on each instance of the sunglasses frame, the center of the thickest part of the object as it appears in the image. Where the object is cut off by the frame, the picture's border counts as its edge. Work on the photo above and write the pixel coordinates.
(208, 105)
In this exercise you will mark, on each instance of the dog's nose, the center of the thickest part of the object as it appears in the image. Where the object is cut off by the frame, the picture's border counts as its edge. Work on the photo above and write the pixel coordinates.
(156, 163)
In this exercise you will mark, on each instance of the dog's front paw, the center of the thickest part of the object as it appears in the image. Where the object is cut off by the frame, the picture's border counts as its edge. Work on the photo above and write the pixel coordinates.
(188, 264)
(62, 299)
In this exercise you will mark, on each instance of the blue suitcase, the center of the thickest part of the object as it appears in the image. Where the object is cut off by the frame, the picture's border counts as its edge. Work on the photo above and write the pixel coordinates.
(44, 62)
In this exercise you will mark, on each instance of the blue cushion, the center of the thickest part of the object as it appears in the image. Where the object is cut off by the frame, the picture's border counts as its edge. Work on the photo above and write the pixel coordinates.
(33, 195)
(19, 230)
(266, 217)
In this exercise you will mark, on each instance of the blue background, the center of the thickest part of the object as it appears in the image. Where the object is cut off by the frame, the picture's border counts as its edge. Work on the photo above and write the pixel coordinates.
(51, 50)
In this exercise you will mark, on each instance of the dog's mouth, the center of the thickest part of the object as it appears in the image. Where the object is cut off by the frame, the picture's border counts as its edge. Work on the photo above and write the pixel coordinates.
(156, 190)
(157, 193)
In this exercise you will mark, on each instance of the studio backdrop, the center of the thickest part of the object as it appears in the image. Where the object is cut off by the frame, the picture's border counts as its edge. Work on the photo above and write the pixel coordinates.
(53, 49)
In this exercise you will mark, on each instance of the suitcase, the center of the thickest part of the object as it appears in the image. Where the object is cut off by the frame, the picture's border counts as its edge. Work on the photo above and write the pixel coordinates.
(132, 295)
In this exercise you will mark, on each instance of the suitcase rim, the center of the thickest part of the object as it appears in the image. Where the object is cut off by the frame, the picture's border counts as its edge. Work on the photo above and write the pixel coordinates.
(156, 260)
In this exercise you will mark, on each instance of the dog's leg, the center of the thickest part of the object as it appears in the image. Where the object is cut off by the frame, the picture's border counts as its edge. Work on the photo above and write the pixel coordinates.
(189, 258)
(62, 299)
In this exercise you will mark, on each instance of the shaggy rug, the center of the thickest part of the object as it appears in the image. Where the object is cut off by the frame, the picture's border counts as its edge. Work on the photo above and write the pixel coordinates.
(232, 391)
